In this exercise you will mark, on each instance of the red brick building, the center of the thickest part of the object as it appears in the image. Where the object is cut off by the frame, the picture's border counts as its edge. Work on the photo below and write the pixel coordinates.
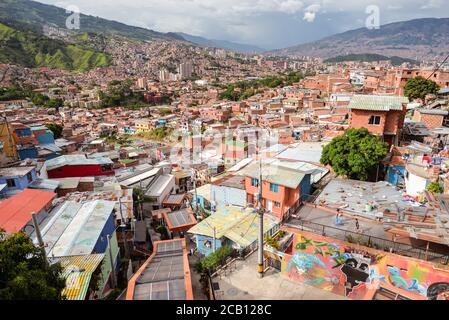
(381, 115)
(432, 118)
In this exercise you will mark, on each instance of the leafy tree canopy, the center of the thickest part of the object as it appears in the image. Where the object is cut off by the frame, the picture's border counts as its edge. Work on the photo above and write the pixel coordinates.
(56, 129)
(419, 87)
(212, 261)
(24, 272)
(354, 154)
(435, 187)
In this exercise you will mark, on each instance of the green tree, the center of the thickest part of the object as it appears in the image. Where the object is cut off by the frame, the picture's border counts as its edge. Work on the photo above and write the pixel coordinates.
(25, 273)
(56, 129)
(214, 260)
(40, 100)
(419, 87)
(354, 154)
(435, 187)
(55, 103)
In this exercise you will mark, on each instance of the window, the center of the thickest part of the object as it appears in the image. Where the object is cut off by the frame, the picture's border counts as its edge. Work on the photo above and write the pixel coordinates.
(29, 177)
(274, 187)
(277, 204)
(255, 182)
(374, 120)
(11, 183)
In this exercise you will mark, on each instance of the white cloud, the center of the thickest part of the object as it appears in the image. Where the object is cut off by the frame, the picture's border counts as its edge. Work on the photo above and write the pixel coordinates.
(432, 4)
(310, 12)
(309, 16)
(262, 22)
(394, 7)
(291, 6)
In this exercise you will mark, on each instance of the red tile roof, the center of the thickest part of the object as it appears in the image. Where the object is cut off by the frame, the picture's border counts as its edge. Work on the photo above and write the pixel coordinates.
(15, 212)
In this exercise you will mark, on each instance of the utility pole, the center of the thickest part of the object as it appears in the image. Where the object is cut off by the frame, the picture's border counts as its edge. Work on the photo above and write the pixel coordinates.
(260, 212)
(214, 246)
(39, 236)
(196, 193)
(120, 208)
(111, 258)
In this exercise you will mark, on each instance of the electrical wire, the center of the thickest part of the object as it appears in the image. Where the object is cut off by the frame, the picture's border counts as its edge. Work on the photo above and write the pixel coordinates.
(438, 68)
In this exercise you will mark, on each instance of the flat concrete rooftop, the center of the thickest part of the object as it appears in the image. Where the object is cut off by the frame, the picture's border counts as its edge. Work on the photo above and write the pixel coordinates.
(242, 283)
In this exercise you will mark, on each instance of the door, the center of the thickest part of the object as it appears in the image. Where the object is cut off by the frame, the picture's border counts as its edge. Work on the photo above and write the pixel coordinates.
(269, 205)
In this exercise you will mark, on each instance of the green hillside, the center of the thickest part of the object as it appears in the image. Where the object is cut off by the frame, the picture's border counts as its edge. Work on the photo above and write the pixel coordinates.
(34, 15)
(368, 57)
(30, 49)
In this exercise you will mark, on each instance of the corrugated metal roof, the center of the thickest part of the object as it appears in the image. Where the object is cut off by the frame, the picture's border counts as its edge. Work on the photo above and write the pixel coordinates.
(159, 185)
(50, 146)
(46, 184)
(15, 171)
(238, 224)
(377, 103)
(15, 212)
(75, 159)
(78, 270)
(275, 173)
(304, 151)
(74, 228)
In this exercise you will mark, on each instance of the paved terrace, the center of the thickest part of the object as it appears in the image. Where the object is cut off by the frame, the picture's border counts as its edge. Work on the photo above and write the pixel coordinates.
(241, 282)
(326, 218)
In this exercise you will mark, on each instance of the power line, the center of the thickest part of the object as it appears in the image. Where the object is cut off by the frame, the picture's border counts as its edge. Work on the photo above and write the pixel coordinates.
(244, 234)
(441, 64)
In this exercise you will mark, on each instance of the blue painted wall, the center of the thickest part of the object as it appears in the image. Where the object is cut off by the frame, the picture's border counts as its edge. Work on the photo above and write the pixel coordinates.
(102, 242)
(28, 153)
(46, 137)
(305, 187)
(393, 175)
(23, 132)
(21, 181)
(52, 156)
(200, 239)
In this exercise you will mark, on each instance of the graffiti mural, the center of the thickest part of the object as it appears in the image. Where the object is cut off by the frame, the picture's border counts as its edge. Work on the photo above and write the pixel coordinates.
(358, 272)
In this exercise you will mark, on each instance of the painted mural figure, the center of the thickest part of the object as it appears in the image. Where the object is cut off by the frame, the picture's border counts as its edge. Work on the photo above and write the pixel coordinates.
(408, 284)
(354, 272)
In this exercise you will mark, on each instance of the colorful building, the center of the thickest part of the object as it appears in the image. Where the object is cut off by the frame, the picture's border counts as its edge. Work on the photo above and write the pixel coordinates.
(78, 166)
(381, 115)
(82, 228)
(233, 226)
(282, 186)
(15, 212)
(359, 272)
(16, 178)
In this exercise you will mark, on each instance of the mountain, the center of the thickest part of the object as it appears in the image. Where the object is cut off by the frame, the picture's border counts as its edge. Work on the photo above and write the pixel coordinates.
(370, 57)
(35, 16)
(223, 44)
(415, 39)
(30, 49)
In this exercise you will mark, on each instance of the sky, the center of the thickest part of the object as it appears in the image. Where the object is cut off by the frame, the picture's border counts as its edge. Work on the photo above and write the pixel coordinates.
(269, 24)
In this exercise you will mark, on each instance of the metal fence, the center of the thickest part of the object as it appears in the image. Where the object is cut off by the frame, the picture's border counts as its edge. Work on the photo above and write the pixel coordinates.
(371, 241)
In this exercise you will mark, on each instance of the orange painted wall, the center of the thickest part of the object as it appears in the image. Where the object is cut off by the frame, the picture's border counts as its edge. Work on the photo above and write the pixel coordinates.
(287, 197)
(358, 272)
